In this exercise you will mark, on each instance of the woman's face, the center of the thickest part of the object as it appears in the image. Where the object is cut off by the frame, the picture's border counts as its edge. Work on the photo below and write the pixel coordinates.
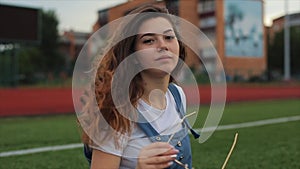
(157, 45)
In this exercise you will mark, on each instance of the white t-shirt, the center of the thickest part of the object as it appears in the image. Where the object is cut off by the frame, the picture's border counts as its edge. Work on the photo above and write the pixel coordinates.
(164, 122)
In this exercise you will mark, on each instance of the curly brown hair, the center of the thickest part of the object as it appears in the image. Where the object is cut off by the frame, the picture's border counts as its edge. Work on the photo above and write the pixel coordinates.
(108, 65)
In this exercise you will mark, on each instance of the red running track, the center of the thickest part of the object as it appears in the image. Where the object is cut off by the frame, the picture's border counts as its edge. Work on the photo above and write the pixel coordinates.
(14, 102)
(245, 93)
(21, 102)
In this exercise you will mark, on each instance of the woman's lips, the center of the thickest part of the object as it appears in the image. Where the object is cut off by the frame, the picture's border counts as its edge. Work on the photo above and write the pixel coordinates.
(164, 57)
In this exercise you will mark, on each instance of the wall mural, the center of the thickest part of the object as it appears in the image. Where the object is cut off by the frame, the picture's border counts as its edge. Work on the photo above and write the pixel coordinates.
(243, 28)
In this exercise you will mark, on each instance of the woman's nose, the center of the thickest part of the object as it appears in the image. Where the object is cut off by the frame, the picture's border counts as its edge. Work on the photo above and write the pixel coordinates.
(162, 45)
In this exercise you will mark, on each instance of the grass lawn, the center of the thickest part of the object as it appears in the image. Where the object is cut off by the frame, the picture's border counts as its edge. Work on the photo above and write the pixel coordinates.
(29, 132)
(268, 147)
(271, 146)
(252, 111)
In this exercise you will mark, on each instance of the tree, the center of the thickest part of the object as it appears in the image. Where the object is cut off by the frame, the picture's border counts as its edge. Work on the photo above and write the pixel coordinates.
(37, 61)
(29, 64)
(53, 61)
(276, 52)
(295, 51)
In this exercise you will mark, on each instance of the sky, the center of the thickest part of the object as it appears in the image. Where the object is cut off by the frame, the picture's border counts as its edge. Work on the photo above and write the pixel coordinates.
(80, 15)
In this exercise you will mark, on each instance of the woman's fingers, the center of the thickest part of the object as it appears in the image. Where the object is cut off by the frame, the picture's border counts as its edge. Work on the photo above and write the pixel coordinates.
(158, 148)
(160, 159)
(158, 145)
(157, 155)
(157, 152)
(157, 161)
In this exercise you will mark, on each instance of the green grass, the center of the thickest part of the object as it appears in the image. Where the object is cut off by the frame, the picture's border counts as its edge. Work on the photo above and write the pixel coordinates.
(65, 159)
(252, 111)
(271, 146)
(29, 132)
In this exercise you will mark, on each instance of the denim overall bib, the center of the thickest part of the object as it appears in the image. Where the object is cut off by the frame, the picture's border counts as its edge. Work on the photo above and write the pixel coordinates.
(181, 139)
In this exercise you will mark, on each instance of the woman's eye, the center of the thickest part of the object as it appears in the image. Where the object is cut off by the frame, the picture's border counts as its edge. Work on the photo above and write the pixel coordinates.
(170, 37)
(148, 41)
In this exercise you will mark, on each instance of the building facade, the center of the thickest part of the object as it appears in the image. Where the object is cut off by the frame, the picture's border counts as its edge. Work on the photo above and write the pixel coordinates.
(236, 32)
(70, 45)
(278, 24)
(277, 43)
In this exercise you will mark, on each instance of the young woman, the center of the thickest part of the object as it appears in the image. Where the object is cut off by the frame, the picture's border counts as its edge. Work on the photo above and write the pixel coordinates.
(162, 141)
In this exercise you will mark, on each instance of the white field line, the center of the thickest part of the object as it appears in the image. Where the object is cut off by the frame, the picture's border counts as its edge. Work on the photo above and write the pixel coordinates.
(218, 128)
(250, 124)
(41, 149)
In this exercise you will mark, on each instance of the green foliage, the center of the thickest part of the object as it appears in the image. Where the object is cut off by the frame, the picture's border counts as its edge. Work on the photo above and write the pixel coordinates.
(202, 78)
(276, 52)
(49, 31)
(295, 50)
(5, 68)
(34, 62)
(52, 59)
(29, 60)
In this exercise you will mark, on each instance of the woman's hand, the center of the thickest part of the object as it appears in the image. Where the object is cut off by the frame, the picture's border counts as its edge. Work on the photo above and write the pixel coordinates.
(156, 155)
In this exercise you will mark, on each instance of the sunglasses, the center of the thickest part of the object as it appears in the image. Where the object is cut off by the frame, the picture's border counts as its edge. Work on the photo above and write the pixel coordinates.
(185, 166)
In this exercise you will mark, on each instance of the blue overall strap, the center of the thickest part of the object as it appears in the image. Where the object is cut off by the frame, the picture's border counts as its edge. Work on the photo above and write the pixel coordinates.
(180, 109)
(146, 126)
(177, 98)
(88, 152)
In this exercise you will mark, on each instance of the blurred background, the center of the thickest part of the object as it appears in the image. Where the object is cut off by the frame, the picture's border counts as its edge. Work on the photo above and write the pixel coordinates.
(40, 40)
(256, 40)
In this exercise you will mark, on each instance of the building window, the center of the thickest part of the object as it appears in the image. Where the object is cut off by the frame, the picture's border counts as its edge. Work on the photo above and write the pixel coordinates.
(103, 17)
(208, 22)
(205, 6)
